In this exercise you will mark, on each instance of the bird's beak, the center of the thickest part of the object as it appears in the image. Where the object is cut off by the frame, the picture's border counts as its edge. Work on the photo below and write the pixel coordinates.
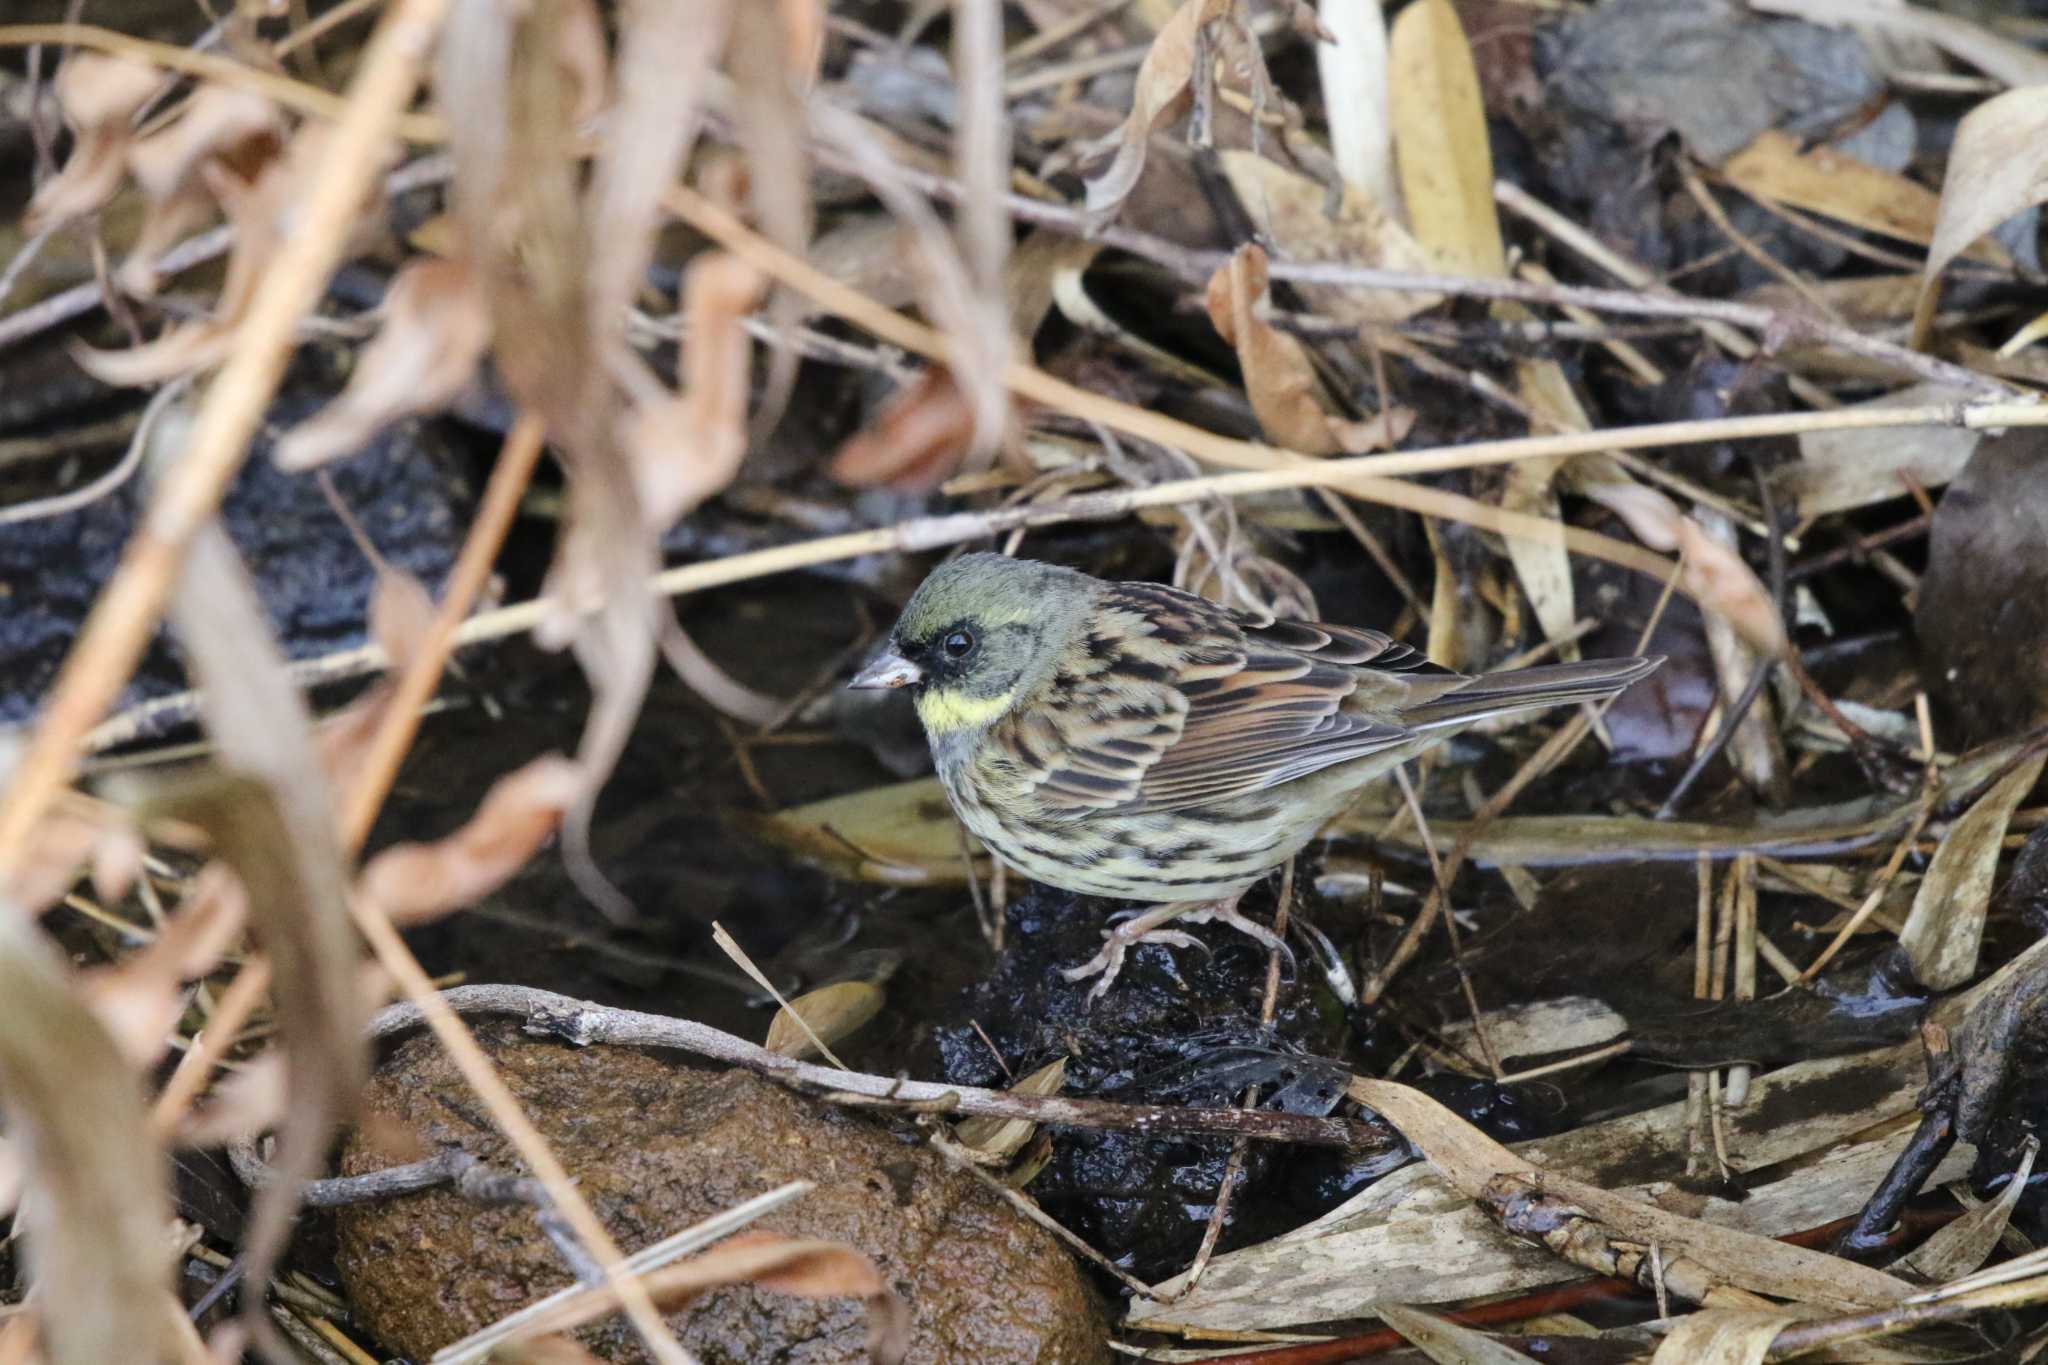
(888, 670)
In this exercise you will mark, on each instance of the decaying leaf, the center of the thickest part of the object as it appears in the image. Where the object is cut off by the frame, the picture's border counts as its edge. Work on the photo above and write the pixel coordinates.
(235, 128)
(1444, 1341)
(139, 999)
(1962, 1247)
(1161, 93)
(997, 1140)
(1972, 43)
(832, 1012)
(1946, 928)
(916, 442)
(1440, 141)
(414, 882)
(96, 1207)
(76, 836)
(1997, 166)
(434, 332)
(1723, 1336)
(1855, 467)
(99, 97)
(1776, 168)
(271, 819)
(1277, 373)
(686, 448)
(1293, 211)
(903, 835)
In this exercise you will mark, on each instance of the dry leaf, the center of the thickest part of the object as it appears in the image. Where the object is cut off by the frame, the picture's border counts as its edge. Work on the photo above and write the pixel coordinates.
(833, 1012)
(1292, 210)
(415, 882)
(140, 999)
(687, 448)
(901, 835)
(1000, 1139)
(76, 834)
(1444, 1341)
(1351, 68)
(1855, 467)
(1722, 1336)
(245, 1104)
(1277, 374)
(1946, 927)
(99, 97)
(1440, 141)
(1961, 1248)
(916, 442)
(95, 1204)
(219, 123)
(1160, 94)
(1997, 166)
(434, 331)
(2014, 63)
(1713, 575)
(1822, 180)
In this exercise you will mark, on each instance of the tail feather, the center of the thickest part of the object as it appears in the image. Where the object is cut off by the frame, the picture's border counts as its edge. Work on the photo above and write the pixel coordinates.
(1526, 689)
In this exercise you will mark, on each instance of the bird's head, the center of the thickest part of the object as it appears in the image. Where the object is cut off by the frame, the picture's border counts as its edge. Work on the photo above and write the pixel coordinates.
(980, 633)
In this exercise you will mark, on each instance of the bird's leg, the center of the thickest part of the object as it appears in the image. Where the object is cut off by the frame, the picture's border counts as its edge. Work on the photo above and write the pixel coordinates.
(1144, 928)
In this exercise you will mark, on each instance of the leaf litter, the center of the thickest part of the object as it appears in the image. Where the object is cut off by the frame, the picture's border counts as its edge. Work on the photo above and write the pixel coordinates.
(1254, 236)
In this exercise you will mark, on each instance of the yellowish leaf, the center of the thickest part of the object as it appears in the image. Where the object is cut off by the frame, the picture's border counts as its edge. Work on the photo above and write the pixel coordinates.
(833, 1012)
(1997, 166)
(1440, 142)
(1001, 1139)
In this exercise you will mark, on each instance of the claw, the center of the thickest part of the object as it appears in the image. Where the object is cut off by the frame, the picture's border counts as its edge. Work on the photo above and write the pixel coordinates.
(1143, 926)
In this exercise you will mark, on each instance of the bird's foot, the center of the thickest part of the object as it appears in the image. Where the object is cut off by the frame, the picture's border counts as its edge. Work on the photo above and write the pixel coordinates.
(1144, 927)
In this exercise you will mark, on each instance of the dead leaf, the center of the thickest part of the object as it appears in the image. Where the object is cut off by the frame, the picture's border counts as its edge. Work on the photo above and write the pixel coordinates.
(1440, 141)
(1293, 211)
(1961, 1248)
(99, 97)
(434, 330)
(1997, 166)
(221, 123)
(1946, 927)
(1277, 374)
(1840, 470)
(140, 999)
(1444, 1341)
(1722, 1336)
(414, 882)
(916, 442)
(901, 835)
(248, 1102)
(2011, 62)
(1000, 1139)
(1822, 180)
(97, 1202)
(832, 1012)
(1160, 94)
(75, 834)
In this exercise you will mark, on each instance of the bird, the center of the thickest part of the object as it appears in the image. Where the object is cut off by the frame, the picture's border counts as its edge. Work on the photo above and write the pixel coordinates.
(1135, 741)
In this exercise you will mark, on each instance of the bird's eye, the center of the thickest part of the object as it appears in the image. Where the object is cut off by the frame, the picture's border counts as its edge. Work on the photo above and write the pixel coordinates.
(958, 645)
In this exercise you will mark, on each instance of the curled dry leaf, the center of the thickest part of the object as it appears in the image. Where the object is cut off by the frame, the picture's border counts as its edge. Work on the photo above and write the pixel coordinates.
(917, 441)
(140, 1000)
(221, 123)
(435, 330)
(1277, 374)
(1293, 211)
(415, 882)
(99, 97)
(1997, 166)
(688, 448)
(1946, 927)
(1714, 575)
(97, 1205)
(1723, 1336)
(248, 1102)
(832, 1012)
(1160, 94)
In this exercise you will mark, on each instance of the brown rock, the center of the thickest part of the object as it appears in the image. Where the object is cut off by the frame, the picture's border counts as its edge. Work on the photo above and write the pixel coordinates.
(1982, 611)
(656, 1147)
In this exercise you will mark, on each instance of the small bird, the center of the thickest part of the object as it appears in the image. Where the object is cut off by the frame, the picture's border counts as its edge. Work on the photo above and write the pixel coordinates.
(1136, 741)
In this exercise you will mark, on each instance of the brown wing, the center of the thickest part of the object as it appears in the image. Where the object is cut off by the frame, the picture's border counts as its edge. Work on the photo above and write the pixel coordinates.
(1170, 701)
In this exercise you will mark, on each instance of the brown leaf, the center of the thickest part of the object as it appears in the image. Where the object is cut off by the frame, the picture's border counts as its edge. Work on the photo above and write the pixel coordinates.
(1722, 1336)
(1277, 375)
(1997, 166)
(832, 1012)
(413, 882)
(435, 330)
(95, 1231)
(1160, 94)
(77, 833)
(1001, 1139)
(688, 448)
(219, 123)
(140, 999)
(916, 442)
(1292, 210)
(100, 97)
